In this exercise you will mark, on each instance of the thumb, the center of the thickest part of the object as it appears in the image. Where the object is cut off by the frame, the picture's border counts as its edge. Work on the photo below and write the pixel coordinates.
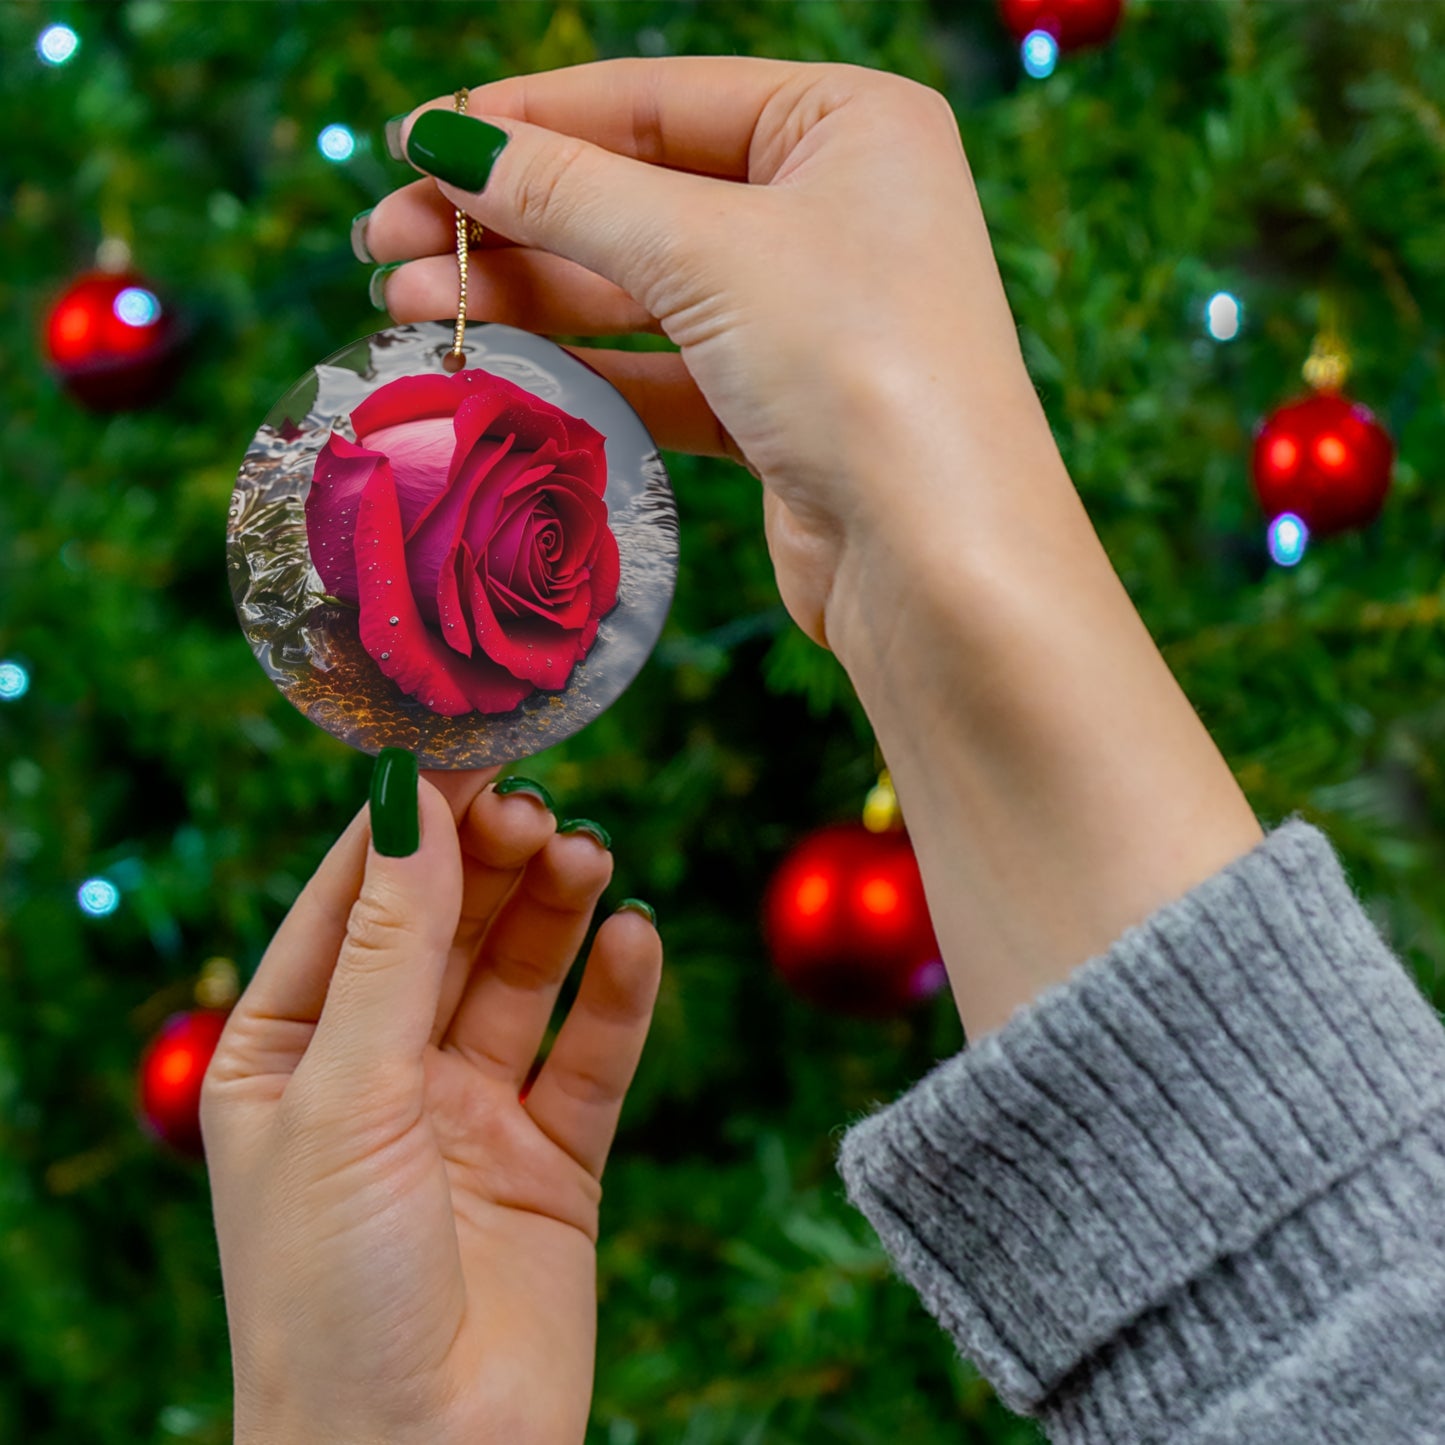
(633, 223)
(382, 999)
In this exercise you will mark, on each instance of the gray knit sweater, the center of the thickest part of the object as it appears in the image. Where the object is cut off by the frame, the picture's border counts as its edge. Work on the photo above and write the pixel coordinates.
(1196, 1192)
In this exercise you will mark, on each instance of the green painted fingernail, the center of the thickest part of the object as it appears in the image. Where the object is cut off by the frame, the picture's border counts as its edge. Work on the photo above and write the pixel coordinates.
(455, 148)
(377, 288)
(586, 825)
(392, 132)
(395, 821)
(636, 905)
(526, 785)
(359, 247)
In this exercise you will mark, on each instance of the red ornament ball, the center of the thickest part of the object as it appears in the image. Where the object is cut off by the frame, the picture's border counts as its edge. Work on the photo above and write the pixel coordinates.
(171, 1072)
(1073, 23)
(847, 924)
(112, 341)
(1324, 458)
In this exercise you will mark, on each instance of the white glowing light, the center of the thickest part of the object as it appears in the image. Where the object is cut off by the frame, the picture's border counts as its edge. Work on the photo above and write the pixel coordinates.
(1223, 316)
(14, 681)
(1288, 538)
(57, 44)
(1040, 53)
(137, 307)
(98, 897)
(336, 143)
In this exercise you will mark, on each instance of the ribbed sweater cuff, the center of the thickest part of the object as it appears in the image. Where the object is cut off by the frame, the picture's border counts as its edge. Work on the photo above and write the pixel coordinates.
(1145, 1163)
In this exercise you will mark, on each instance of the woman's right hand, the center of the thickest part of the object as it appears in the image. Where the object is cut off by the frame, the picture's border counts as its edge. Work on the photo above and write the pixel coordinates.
(808, 235)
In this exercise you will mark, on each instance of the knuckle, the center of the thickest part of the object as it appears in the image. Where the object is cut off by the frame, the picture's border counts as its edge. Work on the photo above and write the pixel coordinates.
(522, 971)
(588, 1086)
(542, 187)
(403, 291)
(923, 100)
(374, 933)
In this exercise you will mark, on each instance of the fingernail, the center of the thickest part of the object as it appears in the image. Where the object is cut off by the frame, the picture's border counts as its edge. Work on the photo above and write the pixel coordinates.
(393, 136)
(455, 148)
(395, 824)
(586, 825)
(359, 247)
(527, 786)
(636, 905)
(376, 289)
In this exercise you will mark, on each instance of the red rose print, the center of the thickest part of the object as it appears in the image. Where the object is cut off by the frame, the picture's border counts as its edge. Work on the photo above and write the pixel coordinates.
(467, 523)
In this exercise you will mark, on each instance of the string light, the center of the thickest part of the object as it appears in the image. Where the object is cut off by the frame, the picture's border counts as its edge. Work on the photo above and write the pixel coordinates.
(1288, 538)
(1223, 316)
(336, 143)
(1040, 52)
(57, 44)
(98, 897)
(136, 306)
(14, 681)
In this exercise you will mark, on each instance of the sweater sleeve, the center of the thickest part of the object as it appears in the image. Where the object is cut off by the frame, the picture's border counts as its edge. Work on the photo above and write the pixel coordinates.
(1196, 1192)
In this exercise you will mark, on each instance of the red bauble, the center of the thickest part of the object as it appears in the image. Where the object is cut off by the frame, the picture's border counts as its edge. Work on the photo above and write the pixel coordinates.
(847, 924)
(1073, 23)
(112, 341)
(1324, 458)
(171, 1071)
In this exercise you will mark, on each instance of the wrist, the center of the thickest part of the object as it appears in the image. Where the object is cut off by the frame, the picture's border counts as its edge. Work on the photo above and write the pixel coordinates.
(1057, 784)
(949, 473)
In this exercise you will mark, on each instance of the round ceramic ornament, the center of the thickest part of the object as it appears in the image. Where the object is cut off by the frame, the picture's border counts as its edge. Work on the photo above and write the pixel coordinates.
(466, 555)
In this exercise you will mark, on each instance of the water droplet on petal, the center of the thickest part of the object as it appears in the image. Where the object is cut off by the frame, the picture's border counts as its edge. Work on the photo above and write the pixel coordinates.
(386, 657)
(393, 620)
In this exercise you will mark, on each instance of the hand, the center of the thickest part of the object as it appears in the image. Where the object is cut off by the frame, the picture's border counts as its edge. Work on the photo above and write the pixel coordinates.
(846, 295)
(844, 331)
(408, 1247)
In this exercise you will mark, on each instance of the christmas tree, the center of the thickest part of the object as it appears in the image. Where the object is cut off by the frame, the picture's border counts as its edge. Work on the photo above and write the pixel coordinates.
(1179, 214)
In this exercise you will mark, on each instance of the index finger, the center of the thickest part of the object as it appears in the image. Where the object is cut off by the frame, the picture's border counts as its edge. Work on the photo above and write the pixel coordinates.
(696, 113)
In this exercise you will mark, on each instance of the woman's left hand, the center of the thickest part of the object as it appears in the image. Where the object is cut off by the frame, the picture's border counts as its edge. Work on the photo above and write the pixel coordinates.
(407, 1234)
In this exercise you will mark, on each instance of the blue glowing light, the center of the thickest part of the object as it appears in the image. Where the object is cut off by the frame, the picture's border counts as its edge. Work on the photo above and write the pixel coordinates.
(137, 307)
(1288, 538)
(1040, 53)
(1223, 316)
(336, 143)
(98, 897)
(57, 44)
(14, 681)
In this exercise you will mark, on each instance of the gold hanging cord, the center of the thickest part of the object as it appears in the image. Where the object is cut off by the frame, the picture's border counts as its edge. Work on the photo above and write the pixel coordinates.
(469, 233)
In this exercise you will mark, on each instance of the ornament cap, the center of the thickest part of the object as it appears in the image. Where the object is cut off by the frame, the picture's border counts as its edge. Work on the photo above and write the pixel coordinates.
(1328, 365)
(113, 254)
(881, 813)
(219, 985)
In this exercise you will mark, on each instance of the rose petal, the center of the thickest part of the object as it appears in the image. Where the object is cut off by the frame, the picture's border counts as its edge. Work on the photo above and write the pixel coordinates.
(537, 650)
(582, 514)
(495, 405)
(579, 514)
(606, 574)
(430, 544)
(507, 550)
(420, 453)
(452, 617)
(591, 445)
(342, 471)
(409, 398)
(566, 612)
(438, 591)
(405, 649)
